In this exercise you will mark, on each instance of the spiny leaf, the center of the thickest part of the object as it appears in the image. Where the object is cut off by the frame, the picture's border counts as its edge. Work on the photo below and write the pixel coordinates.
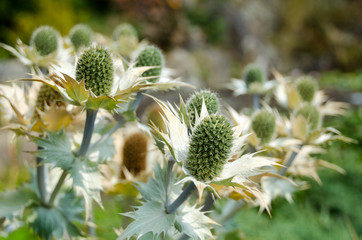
(14, 201)
(87, 181)
(56, 149)
(150, 217)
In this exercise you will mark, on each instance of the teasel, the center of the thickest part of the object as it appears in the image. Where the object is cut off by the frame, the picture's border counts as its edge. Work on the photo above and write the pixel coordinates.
(151, 56)
(311, 114)
(306, 87)
(45, 40)
(264, 126)
(81, 35)
(194, 103)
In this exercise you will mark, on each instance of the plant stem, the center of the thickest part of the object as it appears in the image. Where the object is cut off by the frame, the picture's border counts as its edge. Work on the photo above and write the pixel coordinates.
(88, 131)
(209, 202)
(182, 198)
(256, 99)
(57, 187)
(41, 178)
(284, 169)
(170, 164)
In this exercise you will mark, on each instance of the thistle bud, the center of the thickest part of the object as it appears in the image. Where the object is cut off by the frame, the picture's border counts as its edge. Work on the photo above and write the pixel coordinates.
(95, 66)
(253, 74)
(45, 40)
(151, 56)
(194, 103)
(210, 147)
(306, 88)
(81, 35)
(263, 124)
(134, 153)
(310, 113)
(47, 96)
(124, 30)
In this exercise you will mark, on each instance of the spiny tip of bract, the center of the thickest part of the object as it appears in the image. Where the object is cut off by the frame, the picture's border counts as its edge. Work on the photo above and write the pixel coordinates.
(194, 103)
(310, 113)
(253, 73)
(151, 56)
(134, 153)
(306, 87)
(124, 30)
(263, 124)
(81, 35)
(45, 40)
(210, 147)
(95, 66)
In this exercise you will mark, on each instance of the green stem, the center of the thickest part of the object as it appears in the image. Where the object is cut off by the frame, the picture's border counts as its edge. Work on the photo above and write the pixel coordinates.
(256, 99)
(181, 199)
(88, 131)
(170, 164)
(284, 169)
(57, 187)
(41, 178)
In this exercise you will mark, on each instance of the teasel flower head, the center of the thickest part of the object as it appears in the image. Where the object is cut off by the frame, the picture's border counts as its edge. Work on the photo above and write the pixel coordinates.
(210, 147)
(306, 87)
(81, 35)
(45, 40)
(263, 124)
(151, 56)
(124, 30)
(209, 150)
(253, 74)
(194, 103)
(311, 114)
(47, 96)
(95, 66)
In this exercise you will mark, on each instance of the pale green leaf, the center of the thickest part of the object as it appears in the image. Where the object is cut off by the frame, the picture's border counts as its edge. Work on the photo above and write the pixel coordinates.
(56, 149)
(14, 201)
(150, 217)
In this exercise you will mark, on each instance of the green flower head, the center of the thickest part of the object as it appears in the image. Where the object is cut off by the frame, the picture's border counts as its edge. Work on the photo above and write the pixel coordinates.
(151, 56)
(310, 113)
(306, 88)
(194, 103)
(45, 40)
(81, 35)
(95, 66)
(253, 74)
(210, 147)
(263, 124)
(124, 30)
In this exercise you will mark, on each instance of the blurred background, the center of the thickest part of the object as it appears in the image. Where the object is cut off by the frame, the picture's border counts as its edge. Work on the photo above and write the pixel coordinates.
(322, 37)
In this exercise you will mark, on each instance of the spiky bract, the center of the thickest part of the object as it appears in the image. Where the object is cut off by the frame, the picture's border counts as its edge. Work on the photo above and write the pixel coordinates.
(263, 124)
(95, 66)
(151, 56)
(135, 152)
(306, 88)
(253, 74)
(194, 103)
(45, 40)
(81, 35)
(210, 147)
(124, 29)
(310, 113)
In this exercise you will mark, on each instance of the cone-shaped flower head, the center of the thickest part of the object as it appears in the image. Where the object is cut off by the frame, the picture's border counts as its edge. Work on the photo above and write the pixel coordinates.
(151, 56)
(95, 66)
(45, 40)
(81, 35)
(310, 113)
(47, 96)
(124, 30)
(210, 147)
(306, 88)
(194, 103)
(263, 124)
(135, 152)
(253, 74)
